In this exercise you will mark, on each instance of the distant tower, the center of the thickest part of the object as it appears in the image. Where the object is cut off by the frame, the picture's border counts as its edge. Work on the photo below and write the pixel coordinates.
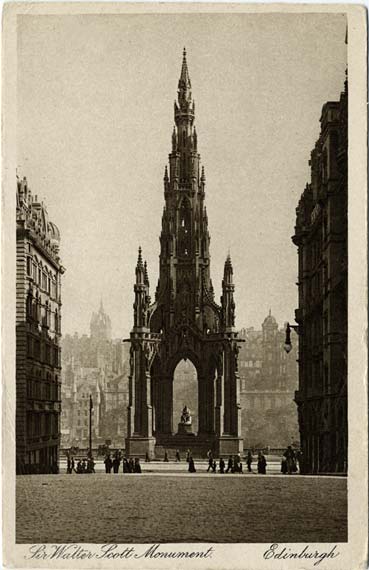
(184, 321)
(271, 351)
(100, 325)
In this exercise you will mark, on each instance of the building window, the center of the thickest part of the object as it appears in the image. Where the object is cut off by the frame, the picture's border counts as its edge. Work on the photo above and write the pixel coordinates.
(29, 267)
(37, 349)
(29, 306)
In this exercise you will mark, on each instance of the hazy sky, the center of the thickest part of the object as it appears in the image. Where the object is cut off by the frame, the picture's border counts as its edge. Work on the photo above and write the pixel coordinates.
(95, 116)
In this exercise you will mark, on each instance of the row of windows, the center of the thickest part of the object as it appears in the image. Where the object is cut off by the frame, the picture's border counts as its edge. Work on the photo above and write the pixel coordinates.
(42, 314)
(41, 277)
(43, 351)
(41, 424)
(39, 390)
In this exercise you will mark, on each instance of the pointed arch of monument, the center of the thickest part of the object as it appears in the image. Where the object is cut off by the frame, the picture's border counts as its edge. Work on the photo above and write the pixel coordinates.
(185, 354)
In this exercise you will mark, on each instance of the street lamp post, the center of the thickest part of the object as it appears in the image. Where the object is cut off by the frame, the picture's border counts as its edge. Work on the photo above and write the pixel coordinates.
(90, 426)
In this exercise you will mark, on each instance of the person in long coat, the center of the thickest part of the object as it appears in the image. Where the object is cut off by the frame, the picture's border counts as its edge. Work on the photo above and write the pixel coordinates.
(230, 465)
(284, 468)
(221, 465)
(116, 463)
(137, 465)
(290, 456)
(191, 465)
(249, 461)
(125, 465)
(108, 464)
(261, 463)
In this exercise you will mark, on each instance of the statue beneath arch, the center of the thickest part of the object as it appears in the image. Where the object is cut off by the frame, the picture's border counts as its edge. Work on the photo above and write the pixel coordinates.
(184, 321)
(186, 417)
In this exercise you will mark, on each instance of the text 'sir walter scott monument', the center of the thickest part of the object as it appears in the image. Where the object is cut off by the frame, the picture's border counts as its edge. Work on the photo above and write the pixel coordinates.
(212, 408)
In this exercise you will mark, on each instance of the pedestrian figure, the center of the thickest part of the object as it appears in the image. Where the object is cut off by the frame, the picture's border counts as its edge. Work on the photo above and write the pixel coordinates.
(91, 465)
(69, 465)
(188, 454)
(191, 465)
(147, 458)
(210, 462)
(116, 464)
(284, 467)
(125, 465)
(261, 463)
(84, 466)
(249, 461)
(166, 457)
(299, 461)
(131, 465)
(214, 466)
(79, 467)
(137, 468)
(178, 457)
(240, 469)
(290, 456)
(221, 465)
(230, 464)
(73, 468)
(108, 464)
(236, 463)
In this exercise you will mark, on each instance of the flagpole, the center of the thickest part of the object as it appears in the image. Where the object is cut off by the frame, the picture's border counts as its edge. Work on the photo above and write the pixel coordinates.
(90, 434)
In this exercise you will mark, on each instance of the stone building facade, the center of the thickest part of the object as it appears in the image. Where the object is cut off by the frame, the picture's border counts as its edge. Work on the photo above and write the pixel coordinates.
(38, 331)
(268, 380)
(321, 238)
(94, 365)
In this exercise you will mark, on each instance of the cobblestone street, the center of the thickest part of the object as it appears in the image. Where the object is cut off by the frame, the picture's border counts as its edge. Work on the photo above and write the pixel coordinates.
(180, 507)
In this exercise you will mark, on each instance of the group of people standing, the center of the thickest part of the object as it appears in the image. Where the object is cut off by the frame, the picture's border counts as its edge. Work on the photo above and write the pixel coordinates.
(234, 464)
(85, 465)
(289, 461)
(129, 465)
(261, 462)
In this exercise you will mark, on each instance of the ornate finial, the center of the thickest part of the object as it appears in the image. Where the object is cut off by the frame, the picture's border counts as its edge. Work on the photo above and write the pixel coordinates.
(166, 174)
(203, 174)
(184, 80)
(139, 260)
(146, 275)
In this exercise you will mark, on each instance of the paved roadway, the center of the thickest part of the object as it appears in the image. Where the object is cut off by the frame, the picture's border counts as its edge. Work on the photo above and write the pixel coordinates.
(164, 506)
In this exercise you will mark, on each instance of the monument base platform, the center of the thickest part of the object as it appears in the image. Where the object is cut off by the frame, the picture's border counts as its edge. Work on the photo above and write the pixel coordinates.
(185, 429)
(137, 446)
(229, 445)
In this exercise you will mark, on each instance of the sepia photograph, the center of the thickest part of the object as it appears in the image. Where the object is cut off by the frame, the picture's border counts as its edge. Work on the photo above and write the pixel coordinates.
(180, 196)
